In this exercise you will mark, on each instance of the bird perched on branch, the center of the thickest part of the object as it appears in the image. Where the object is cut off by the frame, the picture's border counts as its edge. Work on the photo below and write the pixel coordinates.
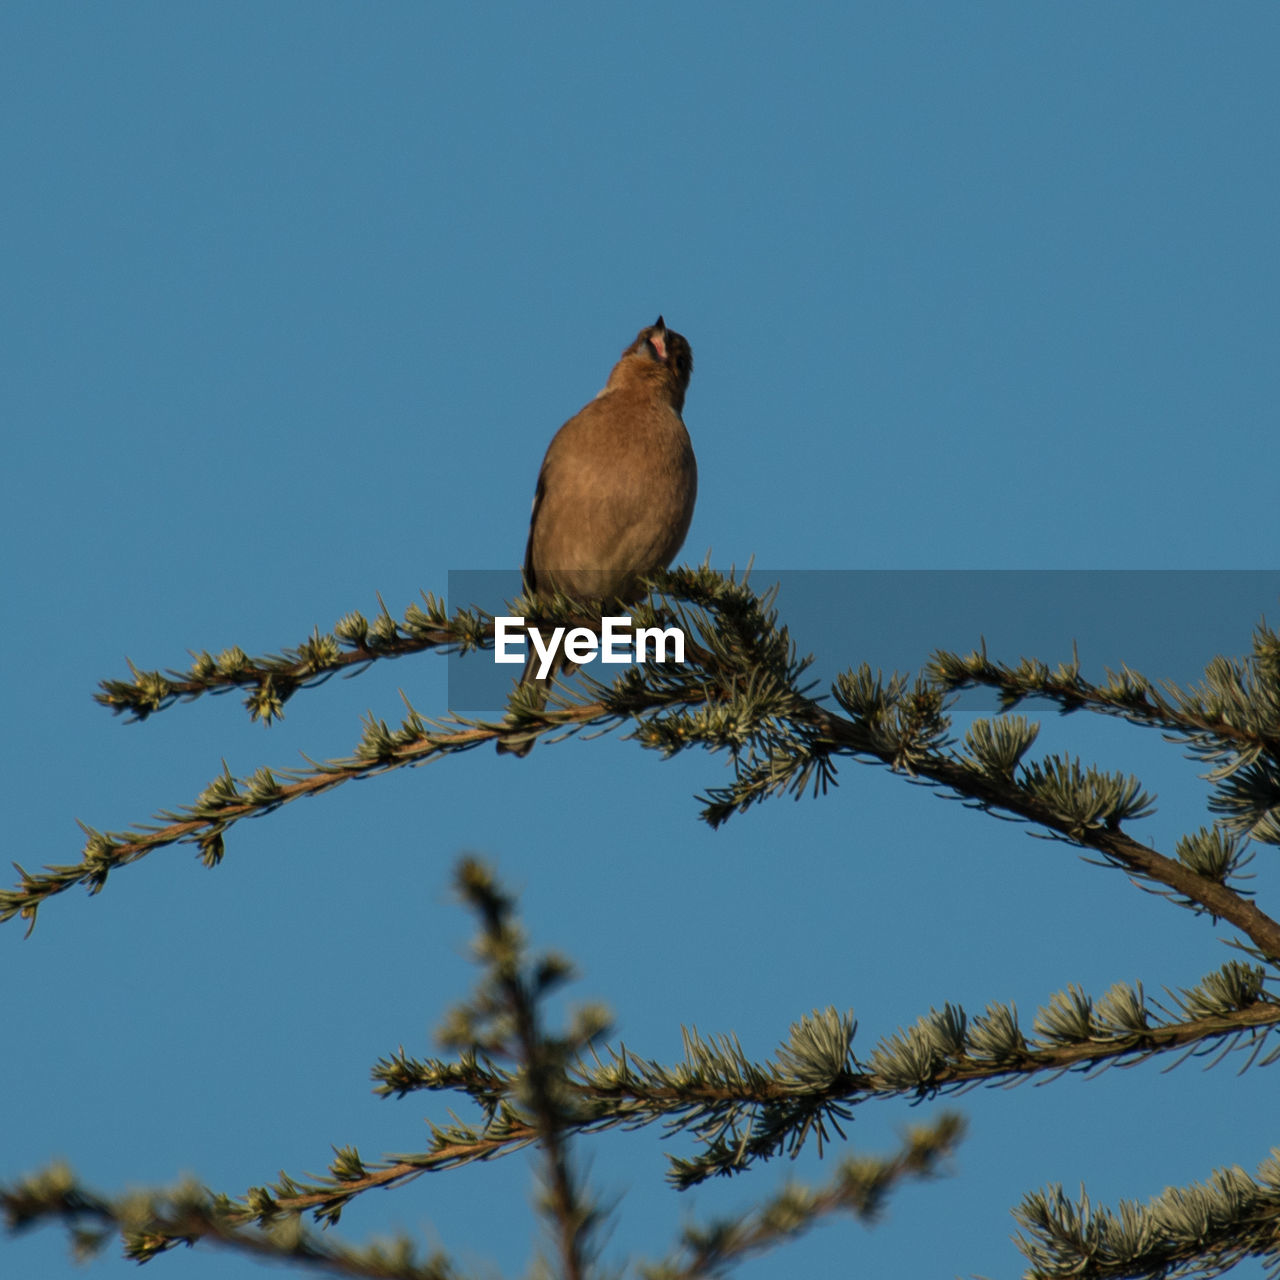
(616, 491)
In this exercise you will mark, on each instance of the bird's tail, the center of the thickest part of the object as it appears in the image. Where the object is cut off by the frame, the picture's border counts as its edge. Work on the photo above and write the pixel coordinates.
(520, 743)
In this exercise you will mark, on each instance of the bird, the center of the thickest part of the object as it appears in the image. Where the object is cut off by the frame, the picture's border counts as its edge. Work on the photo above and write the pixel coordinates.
(617, 487)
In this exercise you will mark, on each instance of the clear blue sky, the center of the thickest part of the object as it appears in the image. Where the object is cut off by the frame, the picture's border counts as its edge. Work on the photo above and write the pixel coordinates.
(294, 296)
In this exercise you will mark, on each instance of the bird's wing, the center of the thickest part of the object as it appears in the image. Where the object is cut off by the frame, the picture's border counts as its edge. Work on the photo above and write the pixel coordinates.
(530, 583)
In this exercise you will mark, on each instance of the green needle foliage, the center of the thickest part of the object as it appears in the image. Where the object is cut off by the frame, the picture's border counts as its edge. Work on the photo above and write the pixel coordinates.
(744, 692)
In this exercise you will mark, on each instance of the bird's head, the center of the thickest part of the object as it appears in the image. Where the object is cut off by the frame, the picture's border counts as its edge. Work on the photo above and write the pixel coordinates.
(658, 355)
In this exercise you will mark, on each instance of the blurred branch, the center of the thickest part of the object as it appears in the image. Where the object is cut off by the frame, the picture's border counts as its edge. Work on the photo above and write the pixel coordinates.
(532, 1100)
(860, 1186)
(151, 1223)
(501, 1018)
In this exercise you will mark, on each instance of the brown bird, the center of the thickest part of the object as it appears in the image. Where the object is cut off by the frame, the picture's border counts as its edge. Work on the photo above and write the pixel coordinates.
(616, 491)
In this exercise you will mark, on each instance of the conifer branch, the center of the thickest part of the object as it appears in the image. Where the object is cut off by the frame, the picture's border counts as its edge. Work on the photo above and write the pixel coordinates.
(531, 1101)
(859, 1187)
(742, 1111)
(1236, 702)
(1230, 720)
(354, 643)
(741, 691)
(1201, 1230)
(151, 1223)
(502, 1018)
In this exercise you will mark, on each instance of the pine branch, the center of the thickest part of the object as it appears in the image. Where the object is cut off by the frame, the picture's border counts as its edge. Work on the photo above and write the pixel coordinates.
(742, 1111)
(741, 691)
(152, 1223)
(739, 1111)
(1087, 812)
(502, 1017)
(1202, 1230)
(859, 1187)
(417, 740)
(1231, 719)
(1235, 703)
(354, 643)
